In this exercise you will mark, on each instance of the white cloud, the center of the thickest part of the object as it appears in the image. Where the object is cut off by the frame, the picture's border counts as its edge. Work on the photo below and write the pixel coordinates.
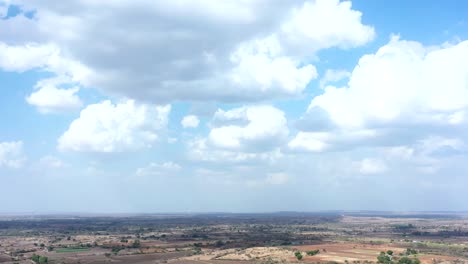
(48, 57)
(105, 127)
(333, 76)
(403, 93)
(27, 57)
(324, 141)
(308, 141)
(372, 166)
(428, 155)
(242, 135)
(200, 150)
(403, 80)
(260, 128)
(260, 65)
(159, 169)
(11, 154)
(228, 51)
(190, 121)
(49, 98)
(325, 23)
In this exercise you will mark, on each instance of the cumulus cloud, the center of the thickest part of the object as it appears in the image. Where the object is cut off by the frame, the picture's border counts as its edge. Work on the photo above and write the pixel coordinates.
(48, 98)
(11, 154)
(108, 127)
(201, 150)
(22, 58)
(403, 79)
(48, 57)
(242, 135)
(250, 128)
(332, 76)
(401, 94)
(159, 169)
(427, 155)
(205, 50)
(190, 121)
(335, 24)
(334, 140)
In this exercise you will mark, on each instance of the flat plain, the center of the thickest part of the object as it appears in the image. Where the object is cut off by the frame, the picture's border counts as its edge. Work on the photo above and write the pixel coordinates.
(327, 237)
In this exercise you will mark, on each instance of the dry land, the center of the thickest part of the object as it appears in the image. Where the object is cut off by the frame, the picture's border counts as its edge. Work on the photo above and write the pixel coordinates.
(337, 237)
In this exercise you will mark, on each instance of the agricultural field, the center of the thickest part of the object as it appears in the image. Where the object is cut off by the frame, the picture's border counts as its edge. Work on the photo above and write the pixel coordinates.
(333, 237)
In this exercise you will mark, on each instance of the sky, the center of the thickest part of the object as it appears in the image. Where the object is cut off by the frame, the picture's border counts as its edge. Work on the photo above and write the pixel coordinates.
(233, 106)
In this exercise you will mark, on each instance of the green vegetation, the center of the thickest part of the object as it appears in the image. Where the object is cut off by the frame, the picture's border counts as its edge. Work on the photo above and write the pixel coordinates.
(72, 249)
(410, 251)
(298, 255)
(39, 259)
(384, 258)
(387, 258)
(136, 244)
(197, 250)
(313, 252)
(406, 260)
(116, 249)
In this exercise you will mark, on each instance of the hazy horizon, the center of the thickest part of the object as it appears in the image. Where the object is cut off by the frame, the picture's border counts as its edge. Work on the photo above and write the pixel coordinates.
(233, 106)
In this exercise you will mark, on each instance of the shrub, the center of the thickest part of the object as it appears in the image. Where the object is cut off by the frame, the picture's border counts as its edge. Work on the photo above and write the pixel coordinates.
(313, 252)
(298, 255)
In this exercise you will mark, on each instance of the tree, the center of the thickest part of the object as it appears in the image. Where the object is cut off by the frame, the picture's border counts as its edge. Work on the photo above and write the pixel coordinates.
(136, 244)
(298, 255)
(384, 258)
(389, 252)
(43, 259)
(406, 260)
(313, 252)
(39, 259)
(410, 251)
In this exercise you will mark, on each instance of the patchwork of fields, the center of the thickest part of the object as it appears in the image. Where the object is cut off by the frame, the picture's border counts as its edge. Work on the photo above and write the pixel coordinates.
(236, 239)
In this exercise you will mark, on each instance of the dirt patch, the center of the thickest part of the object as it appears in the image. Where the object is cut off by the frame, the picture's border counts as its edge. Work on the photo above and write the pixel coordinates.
(340, 252)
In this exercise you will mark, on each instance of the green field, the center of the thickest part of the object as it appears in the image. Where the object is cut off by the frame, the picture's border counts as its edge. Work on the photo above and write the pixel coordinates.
(72, 250)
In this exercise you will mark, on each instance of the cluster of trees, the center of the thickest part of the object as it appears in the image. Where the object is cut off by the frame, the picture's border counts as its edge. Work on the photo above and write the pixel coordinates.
(313, 252)
(299, 255)
(39, 259)
(388, 258)
(116, 249)
(410, 251)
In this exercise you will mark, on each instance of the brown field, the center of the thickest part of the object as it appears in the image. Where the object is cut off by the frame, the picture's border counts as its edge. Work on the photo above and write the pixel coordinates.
(235, 239)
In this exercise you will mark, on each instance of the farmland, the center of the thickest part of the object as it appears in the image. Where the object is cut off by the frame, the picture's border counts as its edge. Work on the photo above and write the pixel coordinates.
(331, 237)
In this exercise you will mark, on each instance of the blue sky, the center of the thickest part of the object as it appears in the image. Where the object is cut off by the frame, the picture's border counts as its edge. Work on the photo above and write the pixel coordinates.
(242, 106)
